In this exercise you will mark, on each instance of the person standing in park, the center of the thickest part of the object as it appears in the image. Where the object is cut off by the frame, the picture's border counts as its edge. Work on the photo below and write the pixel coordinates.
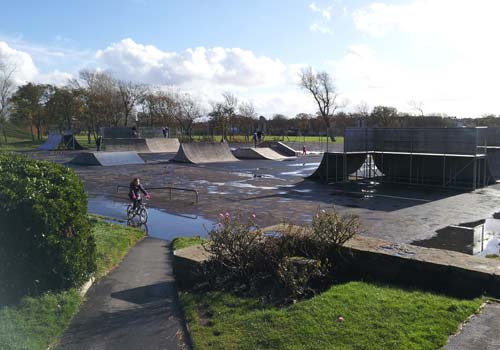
(98, 142)
(254, 139)
(259, 136)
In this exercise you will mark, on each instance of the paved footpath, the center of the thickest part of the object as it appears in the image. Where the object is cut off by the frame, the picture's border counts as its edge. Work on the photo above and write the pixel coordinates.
(481, 333)
(134, 307)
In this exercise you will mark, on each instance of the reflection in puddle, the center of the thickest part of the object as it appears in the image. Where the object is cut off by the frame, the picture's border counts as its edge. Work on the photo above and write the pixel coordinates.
(161, 224)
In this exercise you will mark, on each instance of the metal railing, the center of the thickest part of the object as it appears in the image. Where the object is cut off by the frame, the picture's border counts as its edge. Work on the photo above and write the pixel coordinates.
(169, 188)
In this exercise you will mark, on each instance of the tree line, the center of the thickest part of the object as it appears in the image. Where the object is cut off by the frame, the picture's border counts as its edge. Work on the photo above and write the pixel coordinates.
(96, 99)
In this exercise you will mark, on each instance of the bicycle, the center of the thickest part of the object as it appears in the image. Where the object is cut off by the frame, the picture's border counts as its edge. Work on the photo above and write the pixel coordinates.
(140, 211)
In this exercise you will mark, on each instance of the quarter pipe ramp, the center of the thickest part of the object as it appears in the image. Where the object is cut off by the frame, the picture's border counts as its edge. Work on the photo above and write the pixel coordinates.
(163, 145)
(107, 158)
(199, 153)
(336, 167)
(153, 145)
(258, 153)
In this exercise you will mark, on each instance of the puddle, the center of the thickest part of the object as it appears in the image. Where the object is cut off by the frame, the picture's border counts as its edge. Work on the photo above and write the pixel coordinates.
(305, 164)
(247, 185)
(161, 224)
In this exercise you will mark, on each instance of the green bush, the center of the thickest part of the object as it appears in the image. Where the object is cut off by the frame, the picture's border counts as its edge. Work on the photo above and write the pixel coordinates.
(45, 234)
(295, 258)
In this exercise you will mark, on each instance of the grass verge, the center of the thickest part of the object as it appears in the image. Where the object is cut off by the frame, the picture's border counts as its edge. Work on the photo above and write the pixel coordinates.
(375, 317)
(245, 139)
(37, 322)
(183, 242)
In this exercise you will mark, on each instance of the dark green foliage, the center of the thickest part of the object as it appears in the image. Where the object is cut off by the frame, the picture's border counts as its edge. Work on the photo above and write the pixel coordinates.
(46, 241)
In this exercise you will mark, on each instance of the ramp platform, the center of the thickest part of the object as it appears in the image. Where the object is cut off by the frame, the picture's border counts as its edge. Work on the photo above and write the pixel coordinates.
(107, 158)
(203, 152)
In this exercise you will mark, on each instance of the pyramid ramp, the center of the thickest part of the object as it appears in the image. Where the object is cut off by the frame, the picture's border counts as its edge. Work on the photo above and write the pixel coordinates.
(107, 158)
(199, 153)
(163, 145)
(258, 153)
(52, 143)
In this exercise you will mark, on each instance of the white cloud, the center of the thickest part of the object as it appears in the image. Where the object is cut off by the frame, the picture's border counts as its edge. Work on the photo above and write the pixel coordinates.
(315, 27)
(325, 12)
(321, 25)
(441, 52)
(220, 66)
(21, 62)
(207, 72)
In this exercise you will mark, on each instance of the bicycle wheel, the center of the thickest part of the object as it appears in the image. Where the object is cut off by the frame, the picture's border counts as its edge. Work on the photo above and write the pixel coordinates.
(130, 212)
(143, 215)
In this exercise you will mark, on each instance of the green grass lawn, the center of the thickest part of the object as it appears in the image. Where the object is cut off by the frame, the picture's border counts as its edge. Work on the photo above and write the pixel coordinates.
(375, 317)
(18, 145)
(35, 323)
(183, 242)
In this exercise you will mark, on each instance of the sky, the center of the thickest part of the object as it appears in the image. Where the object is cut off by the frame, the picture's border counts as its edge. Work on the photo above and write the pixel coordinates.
(440, 55)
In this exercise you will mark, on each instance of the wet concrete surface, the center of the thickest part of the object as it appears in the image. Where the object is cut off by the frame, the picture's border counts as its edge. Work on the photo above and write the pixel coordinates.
(277, 191)
(480, 333)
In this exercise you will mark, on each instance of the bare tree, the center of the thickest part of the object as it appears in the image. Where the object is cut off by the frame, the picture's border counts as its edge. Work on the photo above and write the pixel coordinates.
(189, 111)
(102, 99)
(161, 107)
(324, 92)
(417, 106)
(7, 71)
(248, 118)
(129, 95)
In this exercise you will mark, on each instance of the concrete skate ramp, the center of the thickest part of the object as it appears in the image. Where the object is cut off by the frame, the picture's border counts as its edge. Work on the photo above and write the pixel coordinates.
(332, 166)
(428, 169)
(258, 153)
(52, 143)
(125, 145)
(280, 148)
(58, 141)
(163, 145)
(107, 158)
(204, 152)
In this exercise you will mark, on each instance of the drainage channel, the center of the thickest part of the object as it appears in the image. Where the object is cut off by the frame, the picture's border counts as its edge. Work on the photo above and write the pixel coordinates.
(161, 224)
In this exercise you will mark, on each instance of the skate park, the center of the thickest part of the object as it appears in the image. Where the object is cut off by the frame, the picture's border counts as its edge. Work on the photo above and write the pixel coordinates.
(425, 180)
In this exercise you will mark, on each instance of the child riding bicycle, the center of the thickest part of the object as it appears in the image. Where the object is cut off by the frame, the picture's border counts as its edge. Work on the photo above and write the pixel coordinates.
(134, 193)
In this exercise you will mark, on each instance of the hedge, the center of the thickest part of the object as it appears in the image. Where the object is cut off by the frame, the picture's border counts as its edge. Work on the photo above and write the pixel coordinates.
(45, 235)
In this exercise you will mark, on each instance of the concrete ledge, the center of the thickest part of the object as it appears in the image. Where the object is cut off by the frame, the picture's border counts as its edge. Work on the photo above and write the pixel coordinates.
(373, 258)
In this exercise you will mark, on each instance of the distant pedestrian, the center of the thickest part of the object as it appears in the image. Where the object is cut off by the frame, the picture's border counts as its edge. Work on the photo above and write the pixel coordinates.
(254, 139)
(259, 136)
(164, 131)
(98, 142)
(304, 150)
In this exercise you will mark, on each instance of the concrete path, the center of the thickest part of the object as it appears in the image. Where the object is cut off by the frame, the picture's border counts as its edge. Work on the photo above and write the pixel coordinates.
(481, 333)
(134, 307)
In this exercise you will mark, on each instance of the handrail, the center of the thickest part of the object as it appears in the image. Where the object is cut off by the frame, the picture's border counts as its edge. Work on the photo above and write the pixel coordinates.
(170, 188)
